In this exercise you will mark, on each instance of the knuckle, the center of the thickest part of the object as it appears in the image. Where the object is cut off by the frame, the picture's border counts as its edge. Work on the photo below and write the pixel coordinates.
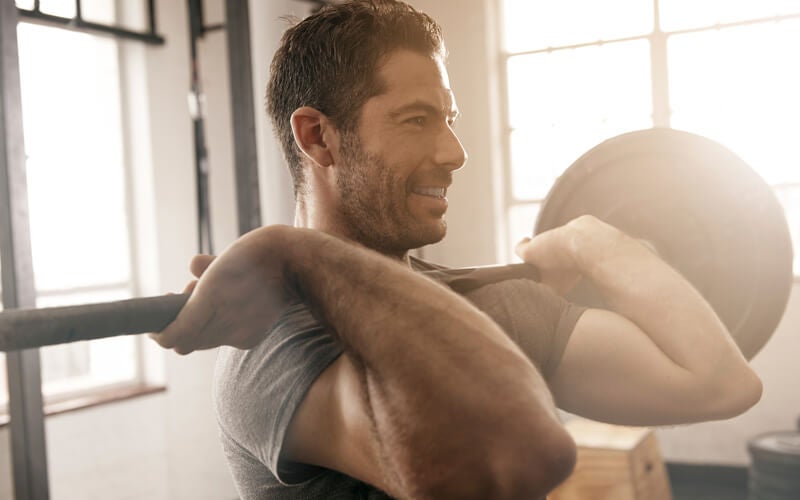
(160, 339)
(586, 220)
(183, 350)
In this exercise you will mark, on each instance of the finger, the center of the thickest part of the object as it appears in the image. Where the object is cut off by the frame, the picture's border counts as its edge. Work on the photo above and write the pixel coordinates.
(190, 286)
(178, 335)
(158, 339)
(200, 263)
(520, 246)
(546, 246)
(169, 342)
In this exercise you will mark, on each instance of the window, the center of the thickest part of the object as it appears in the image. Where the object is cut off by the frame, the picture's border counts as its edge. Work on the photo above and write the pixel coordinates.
(577, 72)
(78, 203)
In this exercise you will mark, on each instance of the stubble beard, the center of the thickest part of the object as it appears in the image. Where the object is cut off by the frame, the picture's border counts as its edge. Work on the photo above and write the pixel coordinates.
(376, 217)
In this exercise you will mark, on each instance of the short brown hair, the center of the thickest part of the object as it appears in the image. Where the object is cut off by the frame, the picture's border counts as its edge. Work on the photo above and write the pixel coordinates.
(329, 61)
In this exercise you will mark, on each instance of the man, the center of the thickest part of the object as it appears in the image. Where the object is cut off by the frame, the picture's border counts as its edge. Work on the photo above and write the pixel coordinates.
(353, 376)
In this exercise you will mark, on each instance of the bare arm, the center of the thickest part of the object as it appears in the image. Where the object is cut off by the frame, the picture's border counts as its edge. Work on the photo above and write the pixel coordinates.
(432, 400)
(661, 357)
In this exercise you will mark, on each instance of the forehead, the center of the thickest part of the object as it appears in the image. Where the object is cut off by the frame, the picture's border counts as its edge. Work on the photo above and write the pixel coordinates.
(409, 76)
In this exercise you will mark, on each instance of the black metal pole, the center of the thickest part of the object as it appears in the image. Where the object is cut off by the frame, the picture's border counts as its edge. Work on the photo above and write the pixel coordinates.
(240, 68)
(197, 30)
(28, 450)
(151, 16)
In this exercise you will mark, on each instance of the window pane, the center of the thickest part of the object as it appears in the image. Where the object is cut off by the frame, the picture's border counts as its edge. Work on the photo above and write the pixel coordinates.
(25, 4)
(72, 127)
(86, 365)
(130, 14)
(563, 103)
(531, 25)
(539, 156)
(790, 199)
(684, 14)
(98, 11)
(739, 86)
(61, 8)
(522, 219)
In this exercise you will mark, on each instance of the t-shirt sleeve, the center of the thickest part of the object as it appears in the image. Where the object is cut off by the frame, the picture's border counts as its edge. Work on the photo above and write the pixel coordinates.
(259, 390)
(533, 316)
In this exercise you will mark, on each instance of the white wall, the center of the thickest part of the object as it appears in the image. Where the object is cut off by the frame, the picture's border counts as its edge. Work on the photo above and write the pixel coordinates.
(6, 478)
(473, 230)
(277, 201)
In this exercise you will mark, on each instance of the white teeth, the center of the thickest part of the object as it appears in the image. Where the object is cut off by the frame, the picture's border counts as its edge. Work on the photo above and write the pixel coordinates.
(430, 191)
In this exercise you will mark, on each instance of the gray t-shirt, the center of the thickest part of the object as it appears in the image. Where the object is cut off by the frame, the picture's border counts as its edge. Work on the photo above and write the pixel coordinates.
(257, 391)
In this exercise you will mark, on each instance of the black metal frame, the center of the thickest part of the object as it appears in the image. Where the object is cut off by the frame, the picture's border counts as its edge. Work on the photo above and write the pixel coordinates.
(197, 29)
(77, 23)
(237, 31)
(29, 455)
(240, 66)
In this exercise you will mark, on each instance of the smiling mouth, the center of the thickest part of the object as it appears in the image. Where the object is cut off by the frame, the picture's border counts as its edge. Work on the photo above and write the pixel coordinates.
(433, 192)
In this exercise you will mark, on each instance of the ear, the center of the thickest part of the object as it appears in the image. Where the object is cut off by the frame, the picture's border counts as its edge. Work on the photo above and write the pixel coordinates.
(315, 135)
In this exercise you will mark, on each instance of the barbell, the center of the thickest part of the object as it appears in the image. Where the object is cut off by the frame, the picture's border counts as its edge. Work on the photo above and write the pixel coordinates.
(691, 200)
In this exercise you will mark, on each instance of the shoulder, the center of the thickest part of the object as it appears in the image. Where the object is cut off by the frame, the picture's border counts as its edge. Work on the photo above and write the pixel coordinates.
(257, 391)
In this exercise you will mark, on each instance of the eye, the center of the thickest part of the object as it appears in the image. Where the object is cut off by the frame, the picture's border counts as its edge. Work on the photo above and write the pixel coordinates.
(419, 121)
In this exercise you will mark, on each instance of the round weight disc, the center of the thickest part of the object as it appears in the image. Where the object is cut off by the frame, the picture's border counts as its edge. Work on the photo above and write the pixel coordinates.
(702, 209)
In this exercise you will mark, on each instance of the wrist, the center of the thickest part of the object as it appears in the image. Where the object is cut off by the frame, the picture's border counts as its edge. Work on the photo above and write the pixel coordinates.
(270, 247)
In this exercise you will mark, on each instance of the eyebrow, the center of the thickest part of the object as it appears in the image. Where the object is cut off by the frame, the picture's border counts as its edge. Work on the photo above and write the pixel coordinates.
(427, 108)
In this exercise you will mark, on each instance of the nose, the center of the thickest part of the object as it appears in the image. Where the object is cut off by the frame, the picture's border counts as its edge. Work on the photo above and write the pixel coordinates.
(450, 153)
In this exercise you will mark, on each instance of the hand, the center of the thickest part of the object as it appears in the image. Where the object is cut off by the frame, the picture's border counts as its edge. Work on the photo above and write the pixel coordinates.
(574, 251)
(549, 253)
(238, 297)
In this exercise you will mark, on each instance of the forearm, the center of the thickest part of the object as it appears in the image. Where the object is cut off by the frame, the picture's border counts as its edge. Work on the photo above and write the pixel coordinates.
(443, 383)
(640, 286)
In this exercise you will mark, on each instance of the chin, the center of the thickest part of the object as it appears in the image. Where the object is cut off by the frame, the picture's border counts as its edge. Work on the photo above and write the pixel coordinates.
(429, 234)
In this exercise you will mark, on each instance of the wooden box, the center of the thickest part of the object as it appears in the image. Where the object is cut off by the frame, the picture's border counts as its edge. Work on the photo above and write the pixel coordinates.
(614, 463)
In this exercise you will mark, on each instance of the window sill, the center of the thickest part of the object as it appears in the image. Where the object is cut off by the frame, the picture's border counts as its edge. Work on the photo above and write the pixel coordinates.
(95, 398)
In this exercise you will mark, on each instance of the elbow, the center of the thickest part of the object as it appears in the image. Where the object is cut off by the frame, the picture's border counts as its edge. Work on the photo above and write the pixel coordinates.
(527, 468)
(745, 395)
(735, 396)
(541, 471)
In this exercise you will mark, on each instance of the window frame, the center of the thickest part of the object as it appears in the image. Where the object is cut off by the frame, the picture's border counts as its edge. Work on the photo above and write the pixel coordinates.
(659, 70)
(142, 383)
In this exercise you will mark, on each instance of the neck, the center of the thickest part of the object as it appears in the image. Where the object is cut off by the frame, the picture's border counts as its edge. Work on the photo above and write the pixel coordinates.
(308, 215)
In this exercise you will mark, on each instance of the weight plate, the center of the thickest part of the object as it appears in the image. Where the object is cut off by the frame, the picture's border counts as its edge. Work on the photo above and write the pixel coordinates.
(702, 208)
(776, 448)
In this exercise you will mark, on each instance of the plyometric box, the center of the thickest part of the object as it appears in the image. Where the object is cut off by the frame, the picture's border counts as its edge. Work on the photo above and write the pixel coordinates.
(614, 463)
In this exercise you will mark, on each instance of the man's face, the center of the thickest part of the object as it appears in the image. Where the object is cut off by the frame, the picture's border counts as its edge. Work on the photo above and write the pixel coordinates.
(396, 168)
